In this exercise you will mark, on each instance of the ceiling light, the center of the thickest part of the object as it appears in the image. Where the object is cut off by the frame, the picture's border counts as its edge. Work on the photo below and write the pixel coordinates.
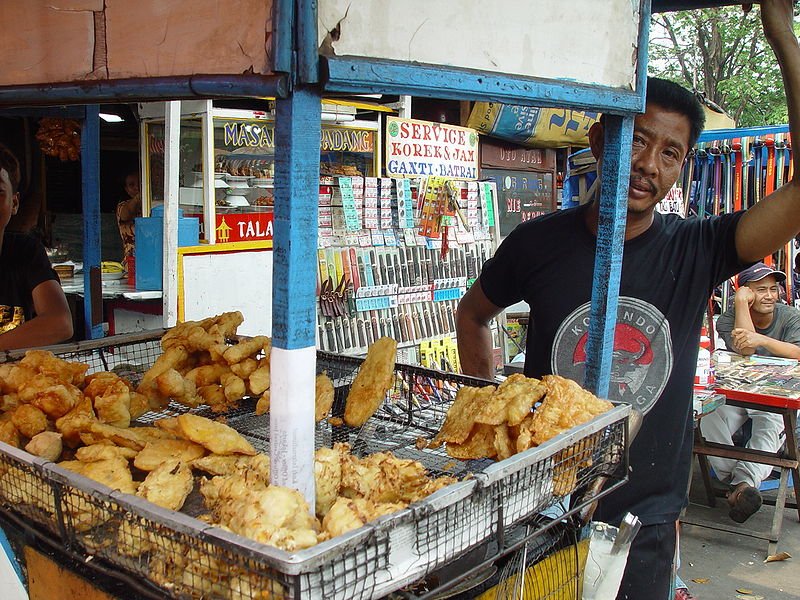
(109, 118)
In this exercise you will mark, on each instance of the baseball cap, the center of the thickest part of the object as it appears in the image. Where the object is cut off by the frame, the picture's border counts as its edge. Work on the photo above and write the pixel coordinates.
(758, 271)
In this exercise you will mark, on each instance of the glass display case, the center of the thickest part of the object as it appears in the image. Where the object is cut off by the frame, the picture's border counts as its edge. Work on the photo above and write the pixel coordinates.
(238, 147)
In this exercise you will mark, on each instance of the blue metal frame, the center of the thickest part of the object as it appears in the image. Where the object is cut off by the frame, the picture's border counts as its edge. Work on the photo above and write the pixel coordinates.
(90, 184)
(614, 182)
(297, 134)
(730, 134)
(358, 75)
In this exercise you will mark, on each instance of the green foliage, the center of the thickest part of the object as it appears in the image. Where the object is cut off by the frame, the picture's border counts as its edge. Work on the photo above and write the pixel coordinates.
(721, 53)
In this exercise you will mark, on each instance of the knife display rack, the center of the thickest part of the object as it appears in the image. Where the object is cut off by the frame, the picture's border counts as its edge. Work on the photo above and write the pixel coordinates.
(378, 276)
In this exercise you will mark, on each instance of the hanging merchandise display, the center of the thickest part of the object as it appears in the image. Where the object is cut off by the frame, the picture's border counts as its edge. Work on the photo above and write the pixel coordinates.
(733, 169)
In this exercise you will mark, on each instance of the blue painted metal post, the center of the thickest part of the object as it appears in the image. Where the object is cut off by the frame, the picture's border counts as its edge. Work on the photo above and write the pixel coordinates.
(90, 187)
(615, 177)
(293, 360)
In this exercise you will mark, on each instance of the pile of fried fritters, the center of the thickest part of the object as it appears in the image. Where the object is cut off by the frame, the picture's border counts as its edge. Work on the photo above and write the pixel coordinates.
(498, 422)
(84, 423)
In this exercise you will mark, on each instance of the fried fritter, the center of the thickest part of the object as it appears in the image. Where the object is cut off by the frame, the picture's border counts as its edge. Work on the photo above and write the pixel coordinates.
(156, 452)
(512, 401)
(566, 405)
(461, 415)
(323, 396)
(373, 380)
(216, 437)
(168, 485)
(46, 445)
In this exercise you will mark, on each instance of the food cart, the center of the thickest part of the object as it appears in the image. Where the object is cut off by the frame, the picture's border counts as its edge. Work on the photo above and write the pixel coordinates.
(152, 51)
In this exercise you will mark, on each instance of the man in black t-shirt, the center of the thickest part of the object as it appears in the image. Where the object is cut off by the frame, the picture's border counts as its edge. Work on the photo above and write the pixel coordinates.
(670, 268)
(33, 309)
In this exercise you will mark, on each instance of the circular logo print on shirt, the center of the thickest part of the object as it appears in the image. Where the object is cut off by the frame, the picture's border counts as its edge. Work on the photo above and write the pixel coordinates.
(642, 356)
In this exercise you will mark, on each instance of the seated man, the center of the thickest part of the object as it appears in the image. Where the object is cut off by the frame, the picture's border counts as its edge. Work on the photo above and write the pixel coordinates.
(757, 324)
(33, 309)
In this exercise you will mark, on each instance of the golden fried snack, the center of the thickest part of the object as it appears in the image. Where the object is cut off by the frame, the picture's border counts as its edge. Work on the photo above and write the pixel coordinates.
(76, 421)
(46, 445)
(111, 397)
(328, 478)
(47, 363)
(234, 388)
(247, 348)
(512, 401)
(171, 384)
(216, 464)
(207, 374)
(134, 437)
(57, 400)
(9, 402)
(5, 373)
(273, 515)
(348, 514)
(169, 425)
(263, 404)
(479, 444)
(168, 485)
(113, 472)
(461, 415)
(18, 375)
(138, 405)
(29, 420)
(97, 452)
(259, 379)
(216, 437)
(244, 368)
(503, 444)
(158, 452)
(323, 396)
(566, 405)
(173, 358)
(373, 380)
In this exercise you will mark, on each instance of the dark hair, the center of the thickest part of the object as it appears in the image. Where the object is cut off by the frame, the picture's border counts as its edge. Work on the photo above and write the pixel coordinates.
(10, 163)
(675, 97)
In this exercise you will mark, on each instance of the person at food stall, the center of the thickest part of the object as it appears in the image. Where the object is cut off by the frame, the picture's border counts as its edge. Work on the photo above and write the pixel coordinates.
(757, 324)
(33, 308)
(127, 210)
(670, 268)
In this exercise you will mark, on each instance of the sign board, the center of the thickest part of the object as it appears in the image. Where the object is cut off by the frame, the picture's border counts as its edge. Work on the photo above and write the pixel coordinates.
(213, 280)
(259, 135)
(535, 38)
(509, 156)
(241, 227)
(424, 149)
(521, 196)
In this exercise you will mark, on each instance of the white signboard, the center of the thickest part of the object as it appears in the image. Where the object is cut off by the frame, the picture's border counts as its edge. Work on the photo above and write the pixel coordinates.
(424, 149)
(217, 282)
(588, 41)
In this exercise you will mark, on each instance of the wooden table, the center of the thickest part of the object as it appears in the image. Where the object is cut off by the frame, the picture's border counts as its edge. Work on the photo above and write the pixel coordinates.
(758, 386)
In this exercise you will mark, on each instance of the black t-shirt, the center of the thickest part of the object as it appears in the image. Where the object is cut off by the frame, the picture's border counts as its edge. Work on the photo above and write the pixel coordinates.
(668, 274)
(23, 266)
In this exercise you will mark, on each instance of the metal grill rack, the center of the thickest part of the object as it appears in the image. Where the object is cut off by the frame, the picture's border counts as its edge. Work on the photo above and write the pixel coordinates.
(184, 557)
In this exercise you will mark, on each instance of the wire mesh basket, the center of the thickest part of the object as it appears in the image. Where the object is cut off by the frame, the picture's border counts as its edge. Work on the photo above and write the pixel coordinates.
(184, 557)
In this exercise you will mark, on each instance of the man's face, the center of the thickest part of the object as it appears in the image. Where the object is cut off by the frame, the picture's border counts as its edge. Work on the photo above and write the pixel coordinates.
(9, 201)
(660, 145)
(766, 293)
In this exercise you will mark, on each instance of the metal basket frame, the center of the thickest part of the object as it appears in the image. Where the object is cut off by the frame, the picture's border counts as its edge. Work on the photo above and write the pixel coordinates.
(379, 558)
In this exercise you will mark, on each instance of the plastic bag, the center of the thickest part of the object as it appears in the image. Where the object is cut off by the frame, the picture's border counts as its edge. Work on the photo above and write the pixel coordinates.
(608, 555)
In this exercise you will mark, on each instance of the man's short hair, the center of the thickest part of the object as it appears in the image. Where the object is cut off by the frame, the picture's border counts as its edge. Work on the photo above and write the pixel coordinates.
(675, 97)
(10, 163)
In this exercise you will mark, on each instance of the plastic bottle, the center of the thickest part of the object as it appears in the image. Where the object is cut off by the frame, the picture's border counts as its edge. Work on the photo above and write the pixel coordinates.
(704, 374)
